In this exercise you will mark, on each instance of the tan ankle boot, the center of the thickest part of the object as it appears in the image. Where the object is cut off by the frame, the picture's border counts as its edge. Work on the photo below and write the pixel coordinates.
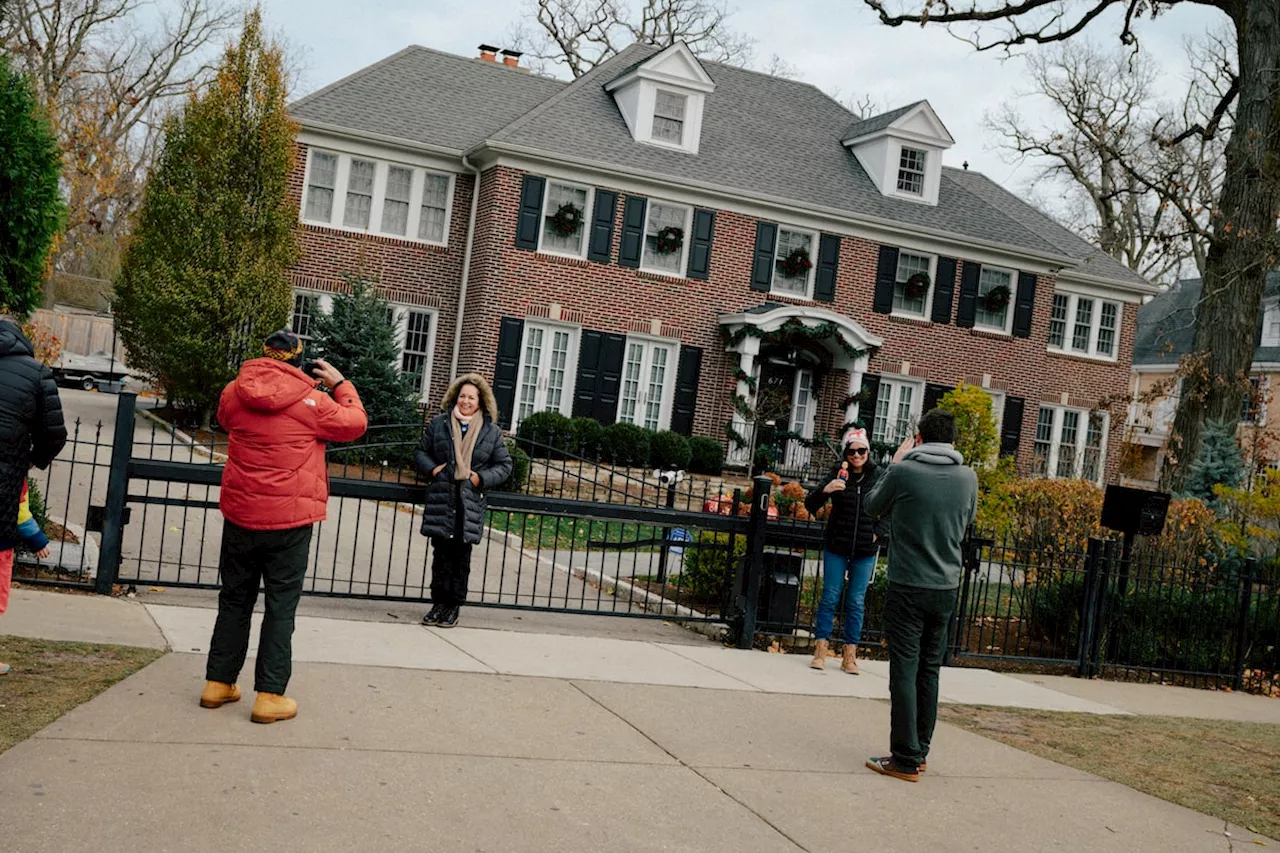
(216, 694)
(850, 662)
(819, 655)
(272, 707)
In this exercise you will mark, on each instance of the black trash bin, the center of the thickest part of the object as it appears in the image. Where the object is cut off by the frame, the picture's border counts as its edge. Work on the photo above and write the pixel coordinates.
(779, 600)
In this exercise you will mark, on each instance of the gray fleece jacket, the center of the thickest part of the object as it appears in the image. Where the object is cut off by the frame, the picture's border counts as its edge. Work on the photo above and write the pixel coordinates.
(929, 498)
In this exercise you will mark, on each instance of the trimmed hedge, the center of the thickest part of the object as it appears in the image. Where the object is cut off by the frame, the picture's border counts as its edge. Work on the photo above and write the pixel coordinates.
(587, 438)
(669, 451)
(520, 465)
(552, 435)
(626, 444)
(706, 455)
(542, 432)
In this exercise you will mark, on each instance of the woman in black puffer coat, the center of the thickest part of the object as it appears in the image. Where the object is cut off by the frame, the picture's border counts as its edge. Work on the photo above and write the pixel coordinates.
(851, 544)
(462, 455)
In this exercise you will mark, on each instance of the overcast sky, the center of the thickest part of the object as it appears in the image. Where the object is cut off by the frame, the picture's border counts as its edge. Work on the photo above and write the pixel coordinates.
(833, 43)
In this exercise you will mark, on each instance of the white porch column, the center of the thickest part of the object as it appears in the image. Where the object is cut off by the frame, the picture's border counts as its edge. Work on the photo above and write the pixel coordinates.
(856, 372)
(747, 352)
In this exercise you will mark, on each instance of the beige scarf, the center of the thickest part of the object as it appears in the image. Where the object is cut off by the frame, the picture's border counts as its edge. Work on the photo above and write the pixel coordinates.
(463, 446)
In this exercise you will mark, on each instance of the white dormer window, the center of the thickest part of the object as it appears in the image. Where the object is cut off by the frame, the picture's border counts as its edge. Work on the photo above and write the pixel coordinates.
(1271, 324)
(911, 170)
(662, 99)
(901, 151)
(668, 117)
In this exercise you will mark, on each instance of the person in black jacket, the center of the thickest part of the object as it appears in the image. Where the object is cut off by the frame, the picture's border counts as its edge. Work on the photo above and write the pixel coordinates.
(31, 433)
(849, 555)
(462, 455)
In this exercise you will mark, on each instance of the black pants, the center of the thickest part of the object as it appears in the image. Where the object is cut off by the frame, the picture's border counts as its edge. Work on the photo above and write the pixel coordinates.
(450, 571)
(915, 624)
(278, 560)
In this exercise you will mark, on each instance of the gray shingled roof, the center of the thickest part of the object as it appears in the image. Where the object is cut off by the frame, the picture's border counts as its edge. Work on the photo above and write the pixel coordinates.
(1166, 325)
(868, 126)
(426, 96)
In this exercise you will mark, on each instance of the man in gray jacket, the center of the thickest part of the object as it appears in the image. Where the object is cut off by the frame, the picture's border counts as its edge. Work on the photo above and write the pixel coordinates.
(930, 498)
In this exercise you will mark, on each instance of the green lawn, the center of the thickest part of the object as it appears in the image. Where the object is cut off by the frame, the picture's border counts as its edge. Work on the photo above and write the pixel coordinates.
(571, 534)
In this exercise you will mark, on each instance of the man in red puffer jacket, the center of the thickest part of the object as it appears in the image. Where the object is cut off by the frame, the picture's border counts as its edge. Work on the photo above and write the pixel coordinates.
(274, 488)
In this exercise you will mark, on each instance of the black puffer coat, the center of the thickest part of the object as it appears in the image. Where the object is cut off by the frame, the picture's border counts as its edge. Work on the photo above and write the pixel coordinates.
(490, 461)
(31, 427)
(850, 530)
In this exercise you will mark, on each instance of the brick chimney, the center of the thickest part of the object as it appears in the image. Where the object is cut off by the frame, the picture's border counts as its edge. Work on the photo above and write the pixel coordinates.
(511, 58)
(488, 53)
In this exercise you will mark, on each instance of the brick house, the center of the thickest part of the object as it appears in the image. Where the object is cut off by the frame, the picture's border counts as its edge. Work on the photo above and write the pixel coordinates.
(1166, 333)
(662, 234)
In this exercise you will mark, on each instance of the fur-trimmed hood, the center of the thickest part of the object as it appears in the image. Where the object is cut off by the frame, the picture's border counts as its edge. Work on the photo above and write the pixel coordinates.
(488, 403)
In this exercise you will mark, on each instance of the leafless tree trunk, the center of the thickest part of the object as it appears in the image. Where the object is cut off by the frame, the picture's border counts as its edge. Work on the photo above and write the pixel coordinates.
(107, 82)
(1242, 244)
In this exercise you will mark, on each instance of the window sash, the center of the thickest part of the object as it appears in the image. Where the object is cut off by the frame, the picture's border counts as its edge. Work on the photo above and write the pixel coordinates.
(989, 280)
(1058, 320)
(788, 241)
(647, 382)
(1082, 331)
(895, 411)
(668, 117)
(908, 265)
(1070, 443)
(658, 216)
(911, 166)
(435, 208)
(395, 202)
(359, 200)
(559, 194)
(1108, 322)
(415, 350)
(321, 182)
(1093, 325)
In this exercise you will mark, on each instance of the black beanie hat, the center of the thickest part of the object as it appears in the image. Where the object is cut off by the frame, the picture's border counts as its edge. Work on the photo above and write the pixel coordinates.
(284, 346)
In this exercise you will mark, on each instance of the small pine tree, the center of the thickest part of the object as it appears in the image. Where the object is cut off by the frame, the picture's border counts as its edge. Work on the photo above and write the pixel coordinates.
(1219, 463)
(31, 207)
(203, 281)
(358, 337)
(977, 438)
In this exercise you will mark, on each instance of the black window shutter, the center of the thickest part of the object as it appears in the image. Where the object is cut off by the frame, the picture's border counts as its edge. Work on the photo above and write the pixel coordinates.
(762, 265)
(510, 339)
(595, 393)
(933, 394)
(867, 405)
(602, 215)
(704, 229)
(886, 275)
(969, 275)
(609, 384)
(824, 289)
(686, 390)
(944, 288)
(530, 218)
(632, 231)
(1024, 305)
(1011, 425)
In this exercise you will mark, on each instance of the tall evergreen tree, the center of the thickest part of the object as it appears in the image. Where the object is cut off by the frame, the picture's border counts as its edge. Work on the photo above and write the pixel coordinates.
(358, 337)
(203, 281)
(31, 208)
(1219, 463)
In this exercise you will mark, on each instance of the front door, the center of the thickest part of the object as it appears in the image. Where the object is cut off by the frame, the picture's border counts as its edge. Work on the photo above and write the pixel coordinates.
(797, 454)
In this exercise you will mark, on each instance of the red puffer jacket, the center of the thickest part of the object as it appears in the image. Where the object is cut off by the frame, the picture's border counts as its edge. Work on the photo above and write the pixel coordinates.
(276, 477)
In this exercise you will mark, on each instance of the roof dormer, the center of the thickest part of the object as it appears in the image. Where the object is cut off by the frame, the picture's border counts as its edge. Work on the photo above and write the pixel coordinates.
(662, 98)
(901, 151)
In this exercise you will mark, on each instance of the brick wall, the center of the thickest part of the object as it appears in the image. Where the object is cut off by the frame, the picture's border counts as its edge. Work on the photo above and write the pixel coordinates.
(506, 281)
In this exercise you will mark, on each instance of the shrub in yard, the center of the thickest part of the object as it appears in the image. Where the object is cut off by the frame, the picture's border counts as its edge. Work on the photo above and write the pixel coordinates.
(520, 464)
(669, 451)
(977, 438)
(708, 565)
(706, 455)
(626, 444)
(543, 433)
(588, 437)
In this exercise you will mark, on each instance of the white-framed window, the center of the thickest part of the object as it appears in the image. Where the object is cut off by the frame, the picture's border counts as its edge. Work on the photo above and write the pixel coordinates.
(910, 264)
(306, 307)
(1070, 443)
(997, 409)
(660, 216)
(648, 383)
(548, 365)
(435, 208)
(669, 111)
(1253, 408)
(416, 334)
(911, 170)
(321, 182)
(1271, 324)
(999, 319)
(897, 410)
(1084, 325)
(372, 196)
(790, 240)
(556, 197)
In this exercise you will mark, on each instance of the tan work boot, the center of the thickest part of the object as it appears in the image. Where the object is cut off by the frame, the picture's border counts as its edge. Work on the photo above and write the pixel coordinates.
(216, 694)
(272, 708)
(850, 662)
(819, 655)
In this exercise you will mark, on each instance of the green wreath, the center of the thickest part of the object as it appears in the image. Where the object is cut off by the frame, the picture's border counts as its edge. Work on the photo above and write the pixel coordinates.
(916, 286)
(997, 298)
(669, 240)
(567, 220)
(797, 263)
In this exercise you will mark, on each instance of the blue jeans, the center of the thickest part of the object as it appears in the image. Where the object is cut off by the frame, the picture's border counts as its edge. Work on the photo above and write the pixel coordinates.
(834, 570)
